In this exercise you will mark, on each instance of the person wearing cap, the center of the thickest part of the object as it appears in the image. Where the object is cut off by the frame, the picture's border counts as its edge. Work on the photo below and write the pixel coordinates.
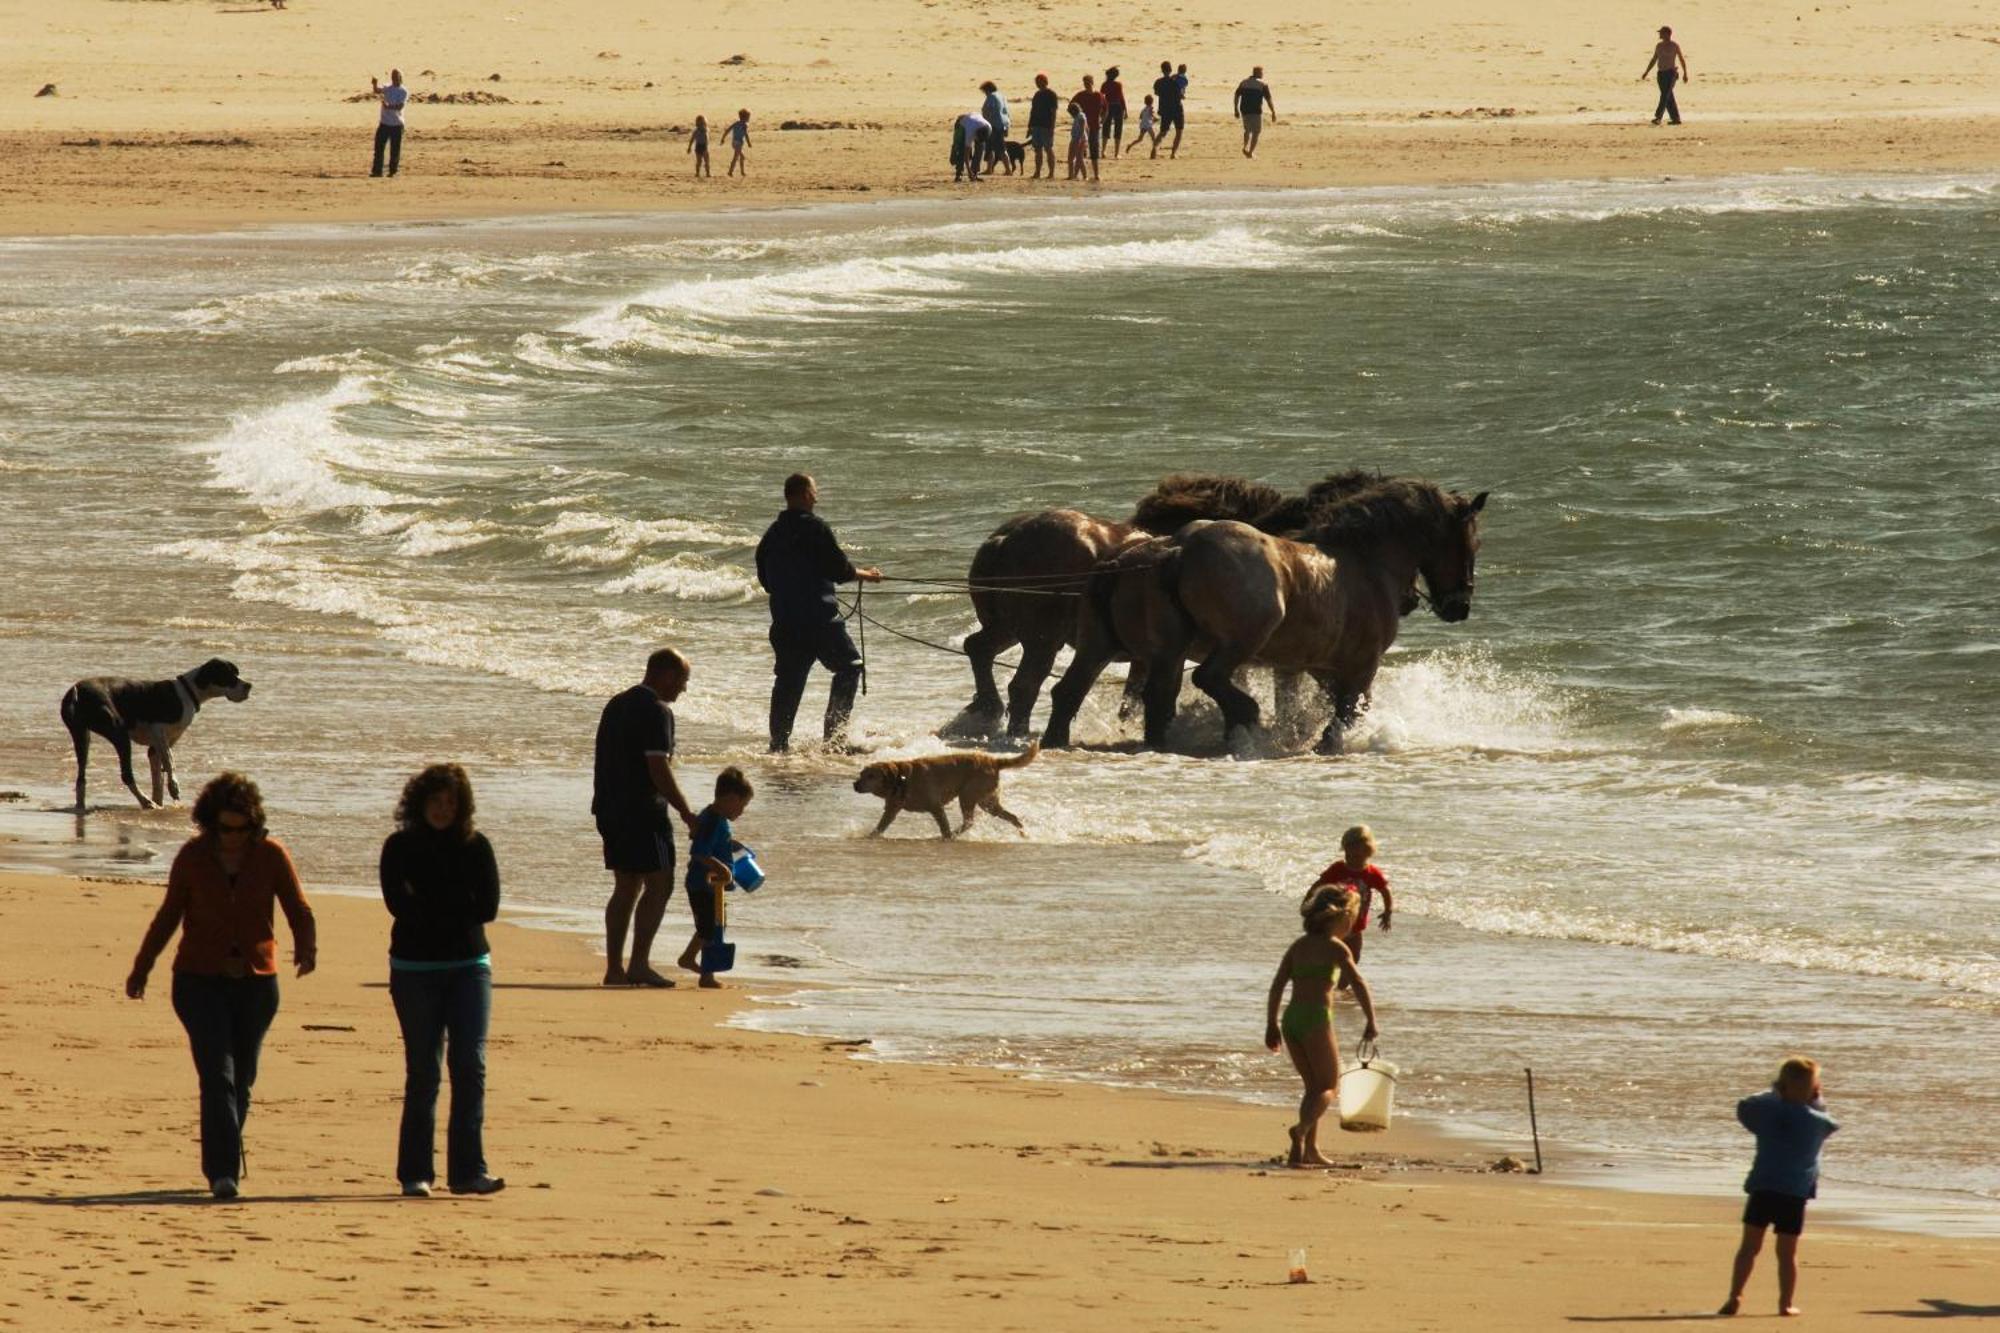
(994, 111)
(1672, 66)
(1252, 96)
(1042, 126)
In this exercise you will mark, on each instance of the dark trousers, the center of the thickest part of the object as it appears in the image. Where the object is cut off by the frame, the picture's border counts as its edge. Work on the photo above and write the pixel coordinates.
(444, 1016)
(391, 138)
(226, 1019)
(1668, 107)
(797, 648)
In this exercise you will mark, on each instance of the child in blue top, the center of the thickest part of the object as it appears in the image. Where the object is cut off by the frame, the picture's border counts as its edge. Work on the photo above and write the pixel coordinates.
(1790, 1122)
(710, 850)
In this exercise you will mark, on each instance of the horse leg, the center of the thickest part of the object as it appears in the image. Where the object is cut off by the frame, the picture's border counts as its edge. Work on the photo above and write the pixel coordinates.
(1287, 697)
(1163, 697)
(1214, 677)
(1135, 692)
(1067, 697)
(981, 647)
(1037, 660)
(1345, 699)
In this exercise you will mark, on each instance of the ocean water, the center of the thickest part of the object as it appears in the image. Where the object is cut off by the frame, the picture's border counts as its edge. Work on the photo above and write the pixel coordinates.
(1706, 779)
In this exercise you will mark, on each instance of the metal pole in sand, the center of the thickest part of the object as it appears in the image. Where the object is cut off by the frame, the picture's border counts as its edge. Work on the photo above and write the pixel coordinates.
(1534, 1126)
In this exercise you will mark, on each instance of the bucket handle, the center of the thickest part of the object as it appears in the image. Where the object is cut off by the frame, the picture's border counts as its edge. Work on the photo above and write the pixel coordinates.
(1365, 1051)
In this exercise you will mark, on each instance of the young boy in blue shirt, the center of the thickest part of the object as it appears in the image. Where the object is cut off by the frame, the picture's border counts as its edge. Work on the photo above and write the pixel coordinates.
(710, 851)
(1791, 1123)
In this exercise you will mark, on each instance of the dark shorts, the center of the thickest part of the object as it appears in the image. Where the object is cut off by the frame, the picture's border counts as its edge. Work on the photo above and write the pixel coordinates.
(637, 847)
(1042, 136)
(1783, 1213)
(1172, 118)
(701, 906)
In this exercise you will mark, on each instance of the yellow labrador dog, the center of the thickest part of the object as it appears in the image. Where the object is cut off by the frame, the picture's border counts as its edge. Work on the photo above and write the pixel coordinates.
(935, 781)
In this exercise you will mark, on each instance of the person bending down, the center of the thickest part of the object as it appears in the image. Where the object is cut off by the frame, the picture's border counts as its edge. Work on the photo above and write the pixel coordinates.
(1310, 966)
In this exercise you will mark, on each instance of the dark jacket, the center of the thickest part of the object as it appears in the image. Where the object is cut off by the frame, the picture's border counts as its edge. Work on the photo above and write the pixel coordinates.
(1789, 1135)
(798, 563)
(442, 892)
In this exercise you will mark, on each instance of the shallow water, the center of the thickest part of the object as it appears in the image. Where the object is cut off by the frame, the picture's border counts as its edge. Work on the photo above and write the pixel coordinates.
(1705, 779)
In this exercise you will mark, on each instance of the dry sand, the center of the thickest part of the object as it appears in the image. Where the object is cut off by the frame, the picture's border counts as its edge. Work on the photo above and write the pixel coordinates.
(204, 114)
(667, 1172)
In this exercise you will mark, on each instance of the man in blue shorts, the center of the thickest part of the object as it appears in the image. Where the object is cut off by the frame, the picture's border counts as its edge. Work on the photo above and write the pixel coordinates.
(634, 796)
(1042, 126)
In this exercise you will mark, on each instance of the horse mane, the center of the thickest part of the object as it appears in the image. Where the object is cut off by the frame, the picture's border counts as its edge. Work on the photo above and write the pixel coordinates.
(1182, 498)
(1300, 512)
(1383, 510)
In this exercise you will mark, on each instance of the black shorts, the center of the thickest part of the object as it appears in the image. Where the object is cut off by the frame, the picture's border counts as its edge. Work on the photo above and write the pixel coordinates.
(1783, 1213)
(637, 847)
(701, 906)
(1172, 118)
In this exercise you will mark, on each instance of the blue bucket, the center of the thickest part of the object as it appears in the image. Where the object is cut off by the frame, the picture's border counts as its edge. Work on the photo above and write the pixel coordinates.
(743, 868)
(717, 954)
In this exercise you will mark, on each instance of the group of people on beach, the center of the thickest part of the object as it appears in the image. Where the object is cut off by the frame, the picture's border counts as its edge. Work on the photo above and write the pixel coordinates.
(440, 883)
(1097, 119)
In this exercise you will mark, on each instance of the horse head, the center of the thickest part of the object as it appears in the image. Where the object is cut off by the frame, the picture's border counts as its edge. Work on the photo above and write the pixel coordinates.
(1447, 564)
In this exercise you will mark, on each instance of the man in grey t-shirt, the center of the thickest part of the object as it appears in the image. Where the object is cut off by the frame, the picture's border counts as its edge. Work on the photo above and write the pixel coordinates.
(389, 133)
(1252, 96)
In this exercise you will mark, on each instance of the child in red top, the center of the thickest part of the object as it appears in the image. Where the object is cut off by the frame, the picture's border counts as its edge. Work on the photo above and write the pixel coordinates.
(1357, 845)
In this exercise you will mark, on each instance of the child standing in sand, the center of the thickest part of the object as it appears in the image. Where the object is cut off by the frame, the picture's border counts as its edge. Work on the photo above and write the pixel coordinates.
(1079, 133)
(1312, 964)
(698, 145)
(1356, 870)
(1791, 1125)
(739, 139)
(711, 848)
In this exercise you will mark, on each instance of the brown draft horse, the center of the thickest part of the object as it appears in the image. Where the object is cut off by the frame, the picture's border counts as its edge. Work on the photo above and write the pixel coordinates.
(1027, 576)
(1223, 592)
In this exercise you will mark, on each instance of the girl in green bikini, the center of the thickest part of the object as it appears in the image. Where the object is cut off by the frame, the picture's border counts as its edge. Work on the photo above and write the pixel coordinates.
(1315, 962)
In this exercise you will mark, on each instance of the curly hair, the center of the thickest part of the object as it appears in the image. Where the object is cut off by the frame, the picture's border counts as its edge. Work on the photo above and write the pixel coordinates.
(232, 792)
(417, 793)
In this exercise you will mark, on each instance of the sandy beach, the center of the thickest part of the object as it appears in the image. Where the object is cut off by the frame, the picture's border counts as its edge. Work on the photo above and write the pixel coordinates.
(197, 116)
(665, 1171)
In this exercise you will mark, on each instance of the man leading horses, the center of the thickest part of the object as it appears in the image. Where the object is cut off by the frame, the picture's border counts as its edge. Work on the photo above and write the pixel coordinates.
(798, 563)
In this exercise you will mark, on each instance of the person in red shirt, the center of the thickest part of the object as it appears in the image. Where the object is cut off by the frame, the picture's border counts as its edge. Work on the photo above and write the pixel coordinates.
(1355, 869)
(220, 895)
(1114, 112)
(1091, 102)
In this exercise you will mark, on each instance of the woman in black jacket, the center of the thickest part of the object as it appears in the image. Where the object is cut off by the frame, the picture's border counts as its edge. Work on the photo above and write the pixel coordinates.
(442, 886)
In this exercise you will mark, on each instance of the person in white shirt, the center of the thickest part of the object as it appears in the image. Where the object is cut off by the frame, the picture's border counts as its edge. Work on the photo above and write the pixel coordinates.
(389, 133)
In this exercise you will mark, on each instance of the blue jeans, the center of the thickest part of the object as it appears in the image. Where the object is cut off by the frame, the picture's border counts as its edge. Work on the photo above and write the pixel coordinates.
(1668, 107)
(453, 1003)
(226, 1019)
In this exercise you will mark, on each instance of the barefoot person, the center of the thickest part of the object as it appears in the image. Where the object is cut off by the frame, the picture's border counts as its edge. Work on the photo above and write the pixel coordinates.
(1791, 1125)
(440, 883)
(1671, 65)
(1042, 126)
(220, 892)
(1169, 90)
(1311, 966)
(1252, 96)
(634, 796)
(739, 139)
(389, 130)
(1357, 870)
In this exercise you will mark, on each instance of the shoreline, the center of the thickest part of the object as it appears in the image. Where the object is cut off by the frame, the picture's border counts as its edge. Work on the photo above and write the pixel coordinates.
(770, 1164)
(167, 184)
(1576, 1164)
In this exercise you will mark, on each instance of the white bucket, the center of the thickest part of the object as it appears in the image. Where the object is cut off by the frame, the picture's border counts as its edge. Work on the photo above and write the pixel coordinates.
(1367, 1091)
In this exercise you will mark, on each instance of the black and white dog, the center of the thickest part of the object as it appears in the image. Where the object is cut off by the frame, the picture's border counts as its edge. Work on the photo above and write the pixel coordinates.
(154, 713)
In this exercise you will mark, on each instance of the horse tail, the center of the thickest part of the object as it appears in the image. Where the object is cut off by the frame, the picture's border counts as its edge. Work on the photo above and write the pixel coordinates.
(1170, 584)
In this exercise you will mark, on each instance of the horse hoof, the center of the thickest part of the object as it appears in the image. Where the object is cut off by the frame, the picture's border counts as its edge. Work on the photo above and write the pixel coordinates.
(1331, 744)
(972, 724)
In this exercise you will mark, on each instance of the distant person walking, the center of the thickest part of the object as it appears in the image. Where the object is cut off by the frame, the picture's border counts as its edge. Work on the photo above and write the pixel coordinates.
(1042, 126)
(634, 796)
(389, 130)
(1252, 96)
(799, 561)
(698, 145)
(220, 893)
(999, 121)
(1114, 112)
(739, 139)
(1669, 66)
(441, 885)
(1311, 966)
(1167, 92)
(1146, 130)
(1091, 102)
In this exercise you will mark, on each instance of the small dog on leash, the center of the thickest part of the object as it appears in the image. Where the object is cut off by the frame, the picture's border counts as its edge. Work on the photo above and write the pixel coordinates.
(935, 781)
(153, 712)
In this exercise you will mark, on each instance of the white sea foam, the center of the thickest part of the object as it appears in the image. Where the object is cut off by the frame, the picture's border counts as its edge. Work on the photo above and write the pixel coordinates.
(437, 536)
(296, 458)
(589, 540)
(1696, 719)
(686, 579)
